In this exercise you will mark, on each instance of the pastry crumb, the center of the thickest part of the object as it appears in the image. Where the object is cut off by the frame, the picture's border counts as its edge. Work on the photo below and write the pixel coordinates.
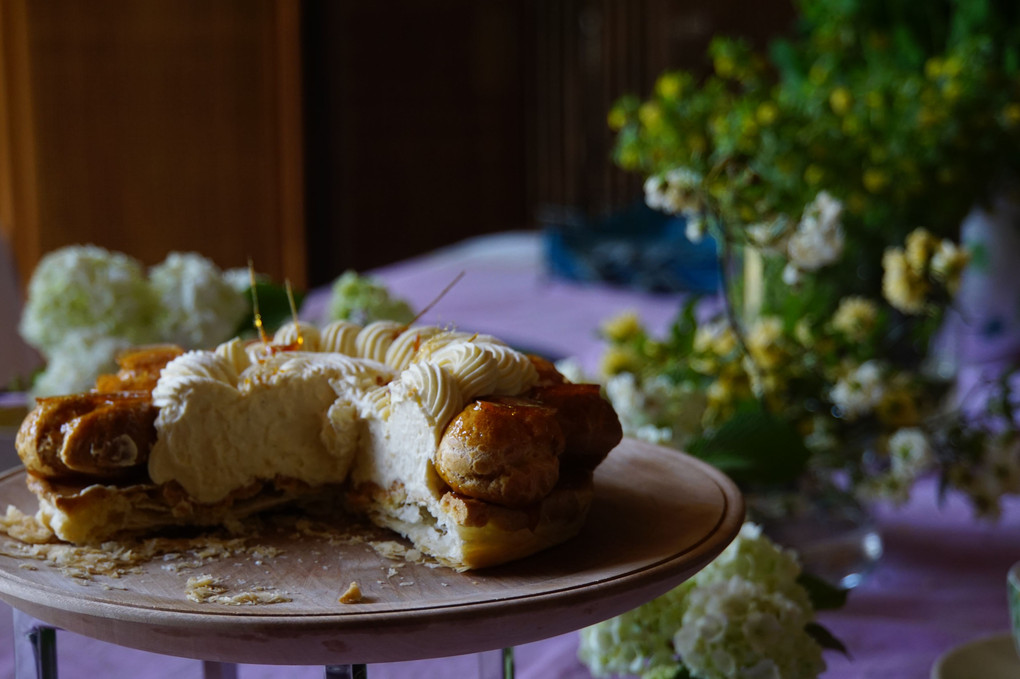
(353, 594)
(207, 589)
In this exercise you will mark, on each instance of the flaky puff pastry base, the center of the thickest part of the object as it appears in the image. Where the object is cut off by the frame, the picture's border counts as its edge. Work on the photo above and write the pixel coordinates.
(466, 533)
(93, 513)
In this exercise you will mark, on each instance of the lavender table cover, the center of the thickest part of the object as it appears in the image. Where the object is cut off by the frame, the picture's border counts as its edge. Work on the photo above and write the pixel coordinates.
(941, 582)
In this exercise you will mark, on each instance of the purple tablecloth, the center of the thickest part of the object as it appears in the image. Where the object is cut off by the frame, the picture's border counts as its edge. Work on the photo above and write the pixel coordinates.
(940, 583)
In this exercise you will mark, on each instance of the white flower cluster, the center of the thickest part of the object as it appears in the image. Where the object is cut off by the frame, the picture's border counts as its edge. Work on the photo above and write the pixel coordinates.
(658, 410)
(910, 456)
(676, 192)
(860, 391)
(86, 288)
(818, 239)
(744, 615)
(363, 299)
(85, 304)
(199, 305)
(994, 474)
(912, 274)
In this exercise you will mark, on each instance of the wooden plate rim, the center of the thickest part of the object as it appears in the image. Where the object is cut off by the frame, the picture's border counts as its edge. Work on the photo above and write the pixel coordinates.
(660, 576)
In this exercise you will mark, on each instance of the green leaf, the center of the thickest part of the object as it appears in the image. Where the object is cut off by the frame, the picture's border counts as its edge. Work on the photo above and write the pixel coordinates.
(826, 639)
(824, 595)
(274, 308)
(754, 448)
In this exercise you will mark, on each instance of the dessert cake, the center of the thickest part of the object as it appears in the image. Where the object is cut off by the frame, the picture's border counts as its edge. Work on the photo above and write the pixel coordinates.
(475, 452)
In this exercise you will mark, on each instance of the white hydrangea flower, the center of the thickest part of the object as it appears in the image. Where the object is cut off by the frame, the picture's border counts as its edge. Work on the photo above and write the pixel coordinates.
(861, 391)
(743, 615)
(736, 627)
(239, 278)
(636, 642)
(752, 556)
(200, 308)
(362, 299)
(818, 239)
(76, 362)
(85, 287)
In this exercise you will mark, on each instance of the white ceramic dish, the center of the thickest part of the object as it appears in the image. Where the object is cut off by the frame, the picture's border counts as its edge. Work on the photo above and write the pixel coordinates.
(993, 657)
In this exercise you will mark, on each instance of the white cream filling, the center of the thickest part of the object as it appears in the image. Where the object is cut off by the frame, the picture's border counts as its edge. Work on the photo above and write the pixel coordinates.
(241, 415)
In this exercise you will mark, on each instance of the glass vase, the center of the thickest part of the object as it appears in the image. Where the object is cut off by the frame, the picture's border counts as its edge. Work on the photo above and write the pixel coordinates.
(833, 533)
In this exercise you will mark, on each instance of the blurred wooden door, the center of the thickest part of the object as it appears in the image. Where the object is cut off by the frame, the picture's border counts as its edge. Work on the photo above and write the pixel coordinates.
(148, 126)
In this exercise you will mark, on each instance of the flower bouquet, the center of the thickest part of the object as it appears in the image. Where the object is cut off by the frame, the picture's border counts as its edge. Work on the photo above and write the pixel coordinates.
(87, 304)
(834, 172)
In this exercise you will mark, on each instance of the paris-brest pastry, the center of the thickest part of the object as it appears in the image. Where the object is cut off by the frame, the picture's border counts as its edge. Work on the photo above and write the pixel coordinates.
(475, 452)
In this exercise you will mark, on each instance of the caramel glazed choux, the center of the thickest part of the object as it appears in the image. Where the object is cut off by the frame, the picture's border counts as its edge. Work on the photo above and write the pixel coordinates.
(475, 452)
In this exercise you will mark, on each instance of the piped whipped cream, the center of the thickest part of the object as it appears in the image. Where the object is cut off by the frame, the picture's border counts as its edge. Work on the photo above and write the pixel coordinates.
(373, 399)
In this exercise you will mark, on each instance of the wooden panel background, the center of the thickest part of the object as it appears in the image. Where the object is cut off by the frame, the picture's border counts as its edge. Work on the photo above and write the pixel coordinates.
(317, 136)
(154, 125)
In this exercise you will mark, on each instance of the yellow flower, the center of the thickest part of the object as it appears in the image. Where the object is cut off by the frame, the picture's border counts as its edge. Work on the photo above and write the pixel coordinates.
(697, 143)
(764, 342)
(840, 100)
(618, 360)
(804, 333)
(616, 119)
(813, 175)
(855, 318)
(622, 327)
(901, 285)
(669, 86)
(731, 386)
(898, 407)
(629, 159)
(875, 179)
(948, 263)
(650, 115)
(921, 245)
(1011, 114)
(952, 90)
(767, 113)
(725, 66)
(715, 338)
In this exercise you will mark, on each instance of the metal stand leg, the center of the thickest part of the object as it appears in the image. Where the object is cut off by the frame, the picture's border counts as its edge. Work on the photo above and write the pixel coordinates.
(497, 664)
(218, 670)
(346, 672)
(35, 648)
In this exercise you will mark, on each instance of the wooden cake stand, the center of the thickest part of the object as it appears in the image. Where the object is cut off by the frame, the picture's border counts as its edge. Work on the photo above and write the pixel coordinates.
(657, 518)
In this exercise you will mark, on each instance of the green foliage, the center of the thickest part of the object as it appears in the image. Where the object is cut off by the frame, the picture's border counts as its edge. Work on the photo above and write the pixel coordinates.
(755, 449)
(824, 596)
(274, 307)
(907, 112)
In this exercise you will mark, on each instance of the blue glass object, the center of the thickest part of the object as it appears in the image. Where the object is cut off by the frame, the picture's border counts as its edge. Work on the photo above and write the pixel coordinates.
(636, 248)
